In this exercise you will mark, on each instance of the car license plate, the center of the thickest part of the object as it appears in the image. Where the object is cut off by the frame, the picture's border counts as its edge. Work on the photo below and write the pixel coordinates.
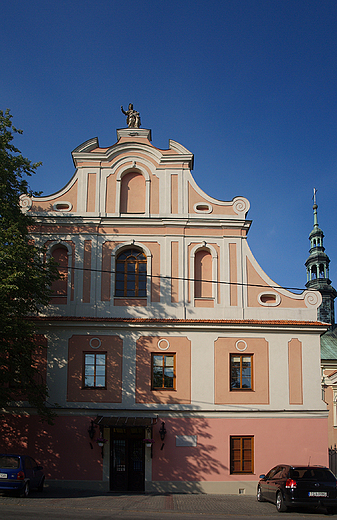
(318, 494)
(3, 475)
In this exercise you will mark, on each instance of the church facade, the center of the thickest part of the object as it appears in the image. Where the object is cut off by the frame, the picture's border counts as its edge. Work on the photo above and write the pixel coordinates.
(176, 363)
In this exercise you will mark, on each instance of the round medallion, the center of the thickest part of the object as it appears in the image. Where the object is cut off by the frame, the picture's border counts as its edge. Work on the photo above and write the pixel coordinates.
(95, 343)
(163, 344)
(241, 345)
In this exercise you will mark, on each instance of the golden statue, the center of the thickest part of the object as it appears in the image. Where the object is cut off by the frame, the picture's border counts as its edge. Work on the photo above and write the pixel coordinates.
(132, 117)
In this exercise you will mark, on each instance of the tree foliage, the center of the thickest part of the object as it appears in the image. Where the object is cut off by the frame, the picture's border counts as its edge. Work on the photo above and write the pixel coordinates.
(25, 280)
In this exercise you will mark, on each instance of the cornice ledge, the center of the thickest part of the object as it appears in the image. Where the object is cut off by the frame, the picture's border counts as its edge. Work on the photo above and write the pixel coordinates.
(196, 324)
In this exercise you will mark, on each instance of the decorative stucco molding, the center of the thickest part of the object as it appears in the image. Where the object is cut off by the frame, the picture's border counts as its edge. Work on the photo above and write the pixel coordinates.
(313, 298)
(240, 205)
(26, 202)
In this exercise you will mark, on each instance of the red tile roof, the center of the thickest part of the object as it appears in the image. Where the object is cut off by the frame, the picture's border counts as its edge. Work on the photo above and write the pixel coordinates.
(182, 321)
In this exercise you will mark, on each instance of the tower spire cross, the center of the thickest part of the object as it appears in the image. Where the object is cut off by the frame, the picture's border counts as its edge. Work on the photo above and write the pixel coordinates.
(315, 208)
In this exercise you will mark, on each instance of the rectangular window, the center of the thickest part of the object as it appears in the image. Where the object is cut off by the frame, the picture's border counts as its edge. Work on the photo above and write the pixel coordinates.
(242, 454)
(163, 371)
(241, 372)
(94, 370)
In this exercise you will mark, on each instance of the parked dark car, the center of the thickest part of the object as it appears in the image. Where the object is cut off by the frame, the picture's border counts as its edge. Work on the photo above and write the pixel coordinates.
(20, 473)
(304, 486)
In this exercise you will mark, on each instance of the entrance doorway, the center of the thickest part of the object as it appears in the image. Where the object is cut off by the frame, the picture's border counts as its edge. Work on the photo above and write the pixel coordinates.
(127, 459)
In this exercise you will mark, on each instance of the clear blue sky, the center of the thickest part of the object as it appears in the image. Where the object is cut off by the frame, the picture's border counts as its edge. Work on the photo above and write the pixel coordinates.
(248, 86)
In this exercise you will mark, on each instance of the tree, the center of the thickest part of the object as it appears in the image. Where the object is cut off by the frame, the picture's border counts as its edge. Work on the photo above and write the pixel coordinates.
(26, 276)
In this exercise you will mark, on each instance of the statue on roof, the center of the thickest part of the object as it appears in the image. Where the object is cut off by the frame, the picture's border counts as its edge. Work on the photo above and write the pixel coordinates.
(132, 116)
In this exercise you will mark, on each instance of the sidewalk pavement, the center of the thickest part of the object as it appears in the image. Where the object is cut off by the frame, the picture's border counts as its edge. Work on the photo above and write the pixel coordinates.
(195, 504)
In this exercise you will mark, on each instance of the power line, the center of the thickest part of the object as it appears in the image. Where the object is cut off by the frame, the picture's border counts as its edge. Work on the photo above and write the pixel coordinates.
(181, 278)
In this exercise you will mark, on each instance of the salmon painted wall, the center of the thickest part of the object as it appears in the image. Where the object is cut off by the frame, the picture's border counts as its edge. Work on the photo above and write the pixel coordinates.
(87, 272)
(60, 287)
(69, 195)
(233, 270)
(203, 274)
(295, 372)
(256, 347)
(256, 286)
(133, 193)
(112, 346)
(110, 196)
(174, 193)
(64, 449)
(276, 441)
(181, 347)
(91, 192)
(218, 209)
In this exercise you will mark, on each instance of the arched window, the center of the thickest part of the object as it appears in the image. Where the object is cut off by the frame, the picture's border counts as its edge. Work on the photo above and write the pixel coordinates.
(313, 272)
(131, 274)
(203, 274)
(321, 271)
(132, 193)
(60, 287)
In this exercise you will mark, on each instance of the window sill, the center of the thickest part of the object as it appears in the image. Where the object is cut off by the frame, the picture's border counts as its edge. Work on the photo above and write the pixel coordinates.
(94, 388)
(203, 302)
(163, 389)
(241, 390)
(242, 473)
(130, 302)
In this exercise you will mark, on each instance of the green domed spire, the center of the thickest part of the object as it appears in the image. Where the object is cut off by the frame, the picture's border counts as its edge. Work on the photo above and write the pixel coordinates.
(318, 271)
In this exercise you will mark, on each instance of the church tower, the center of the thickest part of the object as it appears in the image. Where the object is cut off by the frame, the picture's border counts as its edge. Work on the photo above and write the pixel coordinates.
(318, 272)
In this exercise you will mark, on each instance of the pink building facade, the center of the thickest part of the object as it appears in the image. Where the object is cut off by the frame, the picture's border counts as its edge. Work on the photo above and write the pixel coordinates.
(164, 336)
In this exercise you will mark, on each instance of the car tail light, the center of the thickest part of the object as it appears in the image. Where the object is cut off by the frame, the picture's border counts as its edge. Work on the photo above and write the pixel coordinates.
(291, 484)
(20, 475)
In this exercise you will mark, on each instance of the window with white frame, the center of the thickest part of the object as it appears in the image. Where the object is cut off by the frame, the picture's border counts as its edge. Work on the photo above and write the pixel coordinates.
(94, 370)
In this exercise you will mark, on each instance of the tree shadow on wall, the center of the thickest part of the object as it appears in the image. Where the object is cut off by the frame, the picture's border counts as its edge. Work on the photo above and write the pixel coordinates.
(175, 467)
(62, 449)
(67, 444)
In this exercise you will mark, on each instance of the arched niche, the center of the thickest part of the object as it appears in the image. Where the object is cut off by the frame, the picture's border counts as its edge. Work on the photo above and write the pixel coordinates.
(133, 193)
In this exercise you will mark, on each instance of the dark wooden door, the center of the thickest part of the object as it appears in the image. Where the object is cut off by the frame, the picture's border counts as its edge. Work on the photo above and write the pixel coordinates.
(127, 460)
(136, 461)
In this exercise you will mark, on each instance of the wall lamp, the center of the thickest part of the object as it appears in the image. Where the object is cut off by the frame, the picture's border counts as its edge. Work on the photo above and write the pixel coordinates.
(162, 431)
(91, 430)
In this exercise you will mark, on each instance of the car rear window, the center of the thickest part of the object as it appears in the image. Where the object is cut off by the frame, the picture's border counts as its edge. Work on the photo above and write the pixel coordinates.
(9, 462)
(321, 474)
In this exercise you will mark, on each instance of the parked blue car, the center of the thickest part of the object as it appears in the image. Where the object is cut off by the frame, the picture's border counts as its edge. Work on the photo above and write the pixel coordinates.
(20, 473)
